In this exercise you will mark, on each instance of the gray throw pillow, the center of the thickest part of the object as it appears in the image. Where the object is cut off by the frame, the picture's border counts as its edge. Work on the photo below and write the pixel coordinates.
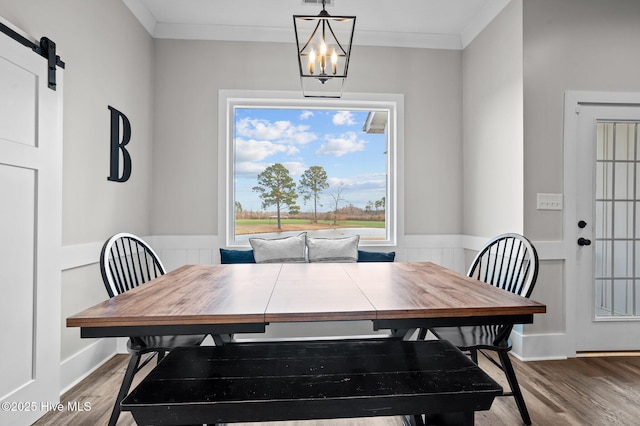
(280, 250)
(338, 250)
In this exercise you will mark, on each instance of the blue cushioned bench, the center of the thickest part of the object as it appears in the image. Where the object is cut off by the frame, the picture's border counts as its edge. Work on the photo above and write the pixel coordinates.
(250, 382)
(246, 256)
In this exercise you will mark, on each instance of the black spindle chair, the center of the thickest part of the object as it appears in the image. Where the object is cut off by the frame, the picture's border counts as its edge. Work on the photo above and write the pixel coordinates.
(126, 262)
(510, 262)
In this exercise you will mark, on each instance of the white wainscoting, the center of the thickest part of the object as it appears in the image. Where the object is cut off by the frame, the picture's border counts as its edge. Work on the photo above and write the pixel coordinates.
(445, 250)
(84, 362)
(178, 250)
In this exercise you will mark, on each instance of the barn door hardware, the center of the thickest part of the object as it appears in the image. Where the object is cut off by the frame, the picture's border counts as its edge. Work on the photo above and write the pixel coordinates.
(46, 48)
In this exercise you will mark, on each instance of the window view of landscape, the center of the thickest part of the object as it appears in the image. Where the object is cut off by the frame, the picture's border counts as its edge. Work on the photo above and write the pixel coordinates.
(323, 171)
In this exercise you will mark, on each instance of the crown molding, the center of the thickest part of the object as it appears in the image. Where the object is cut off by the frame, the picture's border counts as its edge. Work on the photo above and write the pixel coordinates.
(480, 22)
(181, 31)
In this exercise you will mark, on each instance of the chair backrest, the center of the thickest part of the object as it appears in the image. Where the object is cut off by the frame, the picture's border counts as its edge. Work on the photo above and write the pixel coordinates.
(126, 261)
(508, 261)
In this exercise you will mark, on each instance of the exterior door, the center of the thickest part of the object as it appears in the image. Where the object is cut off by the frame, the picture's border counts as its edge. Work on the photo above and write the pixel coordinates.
(608, 228)
(30, 235)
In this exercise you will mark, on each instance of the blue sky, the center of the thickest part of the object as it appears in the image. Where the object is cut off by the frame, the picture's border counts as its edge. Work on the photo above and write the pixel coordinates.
(299, 139)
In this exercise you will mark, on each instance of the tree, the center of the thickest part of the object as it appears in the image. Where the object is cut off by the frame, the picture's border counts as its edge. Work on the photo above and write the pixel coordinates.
(337, 197)
(376, 206)
(369, 208)
(276, 187)
(312, 183)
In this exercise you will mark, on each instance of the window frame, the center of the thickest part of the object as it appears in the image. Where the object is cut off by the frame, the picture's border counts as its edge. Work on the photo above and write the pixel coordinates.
(230, 99)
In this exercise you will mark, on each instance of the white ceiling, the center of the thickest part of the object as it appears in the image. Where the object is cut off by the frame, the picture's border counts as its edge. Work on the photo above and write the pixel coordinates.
(440, 24)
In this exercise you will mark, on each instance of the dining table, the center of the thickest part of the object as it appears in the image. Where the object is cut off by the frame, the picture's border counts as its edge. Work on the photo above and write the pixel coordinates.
(246, 298)
(228, 300)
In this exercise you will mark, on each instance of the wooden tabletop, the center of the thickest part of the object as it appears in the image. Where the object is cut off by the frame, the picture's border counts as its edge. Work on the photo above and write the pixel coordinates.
(265, 293)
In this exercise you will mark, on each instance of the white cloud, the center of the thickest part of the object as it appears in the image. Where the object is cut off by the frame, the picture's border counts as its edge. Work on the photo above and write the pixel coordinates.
(249, 168)
(340, 146)
(359, 182)
(306, 114)
(337, 182)
(343, 118)
(253, 168)
(279, 131)
(295, 168)
(253, 150)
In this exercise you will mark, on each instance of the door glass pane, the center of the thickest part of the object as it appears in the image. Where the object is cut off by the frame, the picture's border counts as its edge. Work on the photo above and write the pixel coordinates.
(603, 298)
(604, 180)
(622, 259)
(623, 219)
(623, 297)
(617, 221)
(604, 147)
(603, 259)
(624, 143)
(603, 220)
(624, 181)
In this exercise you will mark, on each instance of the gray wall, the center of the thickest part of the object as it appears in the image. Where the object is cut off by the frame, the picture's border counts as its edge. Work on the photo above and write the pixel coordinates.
(492, 117)
(589, 45)
(108, 58)
(190, 73)
(569, 45)
(109, 62)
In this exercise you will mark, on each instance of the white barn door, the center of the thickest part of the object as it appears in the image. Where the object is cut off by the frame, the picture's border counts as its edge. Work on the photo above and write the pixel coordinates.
(30, 234)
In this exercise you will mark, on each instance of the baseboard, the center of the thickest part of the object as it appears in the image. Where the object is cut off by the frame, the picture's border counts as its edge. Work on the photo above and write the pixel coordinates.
(539, 347)
(121, 345)
(84, 362)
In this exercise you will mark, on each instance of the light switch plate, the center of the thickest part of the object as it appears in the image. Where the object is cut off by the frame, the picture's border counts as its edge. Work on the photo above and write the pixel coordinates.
(549, 201)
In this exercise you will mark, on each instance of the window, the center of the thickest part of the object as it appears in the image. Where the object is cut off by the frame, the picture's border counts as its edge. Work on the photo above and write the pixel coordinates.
(325, 167)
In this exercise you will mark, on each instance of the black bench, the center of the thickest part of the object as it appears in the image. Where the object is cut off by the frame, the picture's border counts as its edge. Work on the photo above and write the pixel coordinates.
(251, 382)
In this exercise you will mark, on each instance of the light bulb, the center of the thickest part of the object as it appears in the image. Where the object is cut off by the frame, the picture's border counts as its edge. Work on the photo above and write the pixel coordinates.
(334, 61)
(312, 60)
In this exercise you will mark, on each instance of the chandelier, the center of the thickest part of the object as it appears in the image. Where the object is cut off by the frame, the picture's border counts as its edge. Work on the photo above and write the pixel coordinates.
(324, 48)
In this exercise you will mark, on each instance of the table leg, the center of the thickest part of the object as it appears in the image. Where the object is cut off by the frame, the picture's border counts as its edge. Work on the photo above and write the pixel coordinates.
(403, 333)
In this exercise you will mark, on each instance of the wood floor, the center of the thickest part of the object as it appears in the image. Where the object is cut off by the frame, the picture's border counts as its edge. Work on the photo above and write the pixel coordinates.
(583, 391)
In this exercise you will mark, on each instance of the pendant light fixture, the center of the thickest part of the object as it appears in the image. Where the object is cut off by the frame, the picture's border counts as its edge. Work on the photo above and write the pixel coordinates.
(324, 49)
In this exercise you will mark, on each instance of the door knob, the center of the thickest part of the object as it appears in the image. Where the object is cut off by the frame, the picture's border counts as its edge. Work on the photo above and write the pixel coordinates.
(584, 242)
(582, 224)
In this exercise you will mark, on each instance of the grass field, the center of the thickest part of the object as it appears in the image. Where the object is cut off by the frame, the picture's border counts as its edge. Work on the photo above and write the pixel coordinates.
(253, 226)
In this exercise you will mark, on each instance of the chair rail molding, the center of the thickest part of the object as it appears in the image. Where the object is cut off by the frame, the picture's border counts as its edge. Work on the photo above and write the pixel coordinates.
(174, 249)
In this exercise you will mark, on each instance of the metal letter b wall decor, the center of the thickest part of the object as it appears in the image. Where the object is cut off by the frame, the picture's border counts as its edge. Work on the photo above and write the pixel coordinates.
(118, 146)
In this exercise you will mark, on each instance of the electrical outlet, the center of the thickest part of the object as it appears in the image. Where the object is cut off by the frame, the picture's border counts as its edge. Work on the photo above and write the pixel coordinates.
(549, 201)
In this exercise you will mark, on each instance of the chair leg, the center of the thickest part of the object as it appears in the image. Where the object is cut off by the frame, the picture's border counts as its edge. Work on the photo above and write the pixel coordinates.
(418, 420)
(415, 420)
(124, 388)
(515, 388)
(474, 355)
